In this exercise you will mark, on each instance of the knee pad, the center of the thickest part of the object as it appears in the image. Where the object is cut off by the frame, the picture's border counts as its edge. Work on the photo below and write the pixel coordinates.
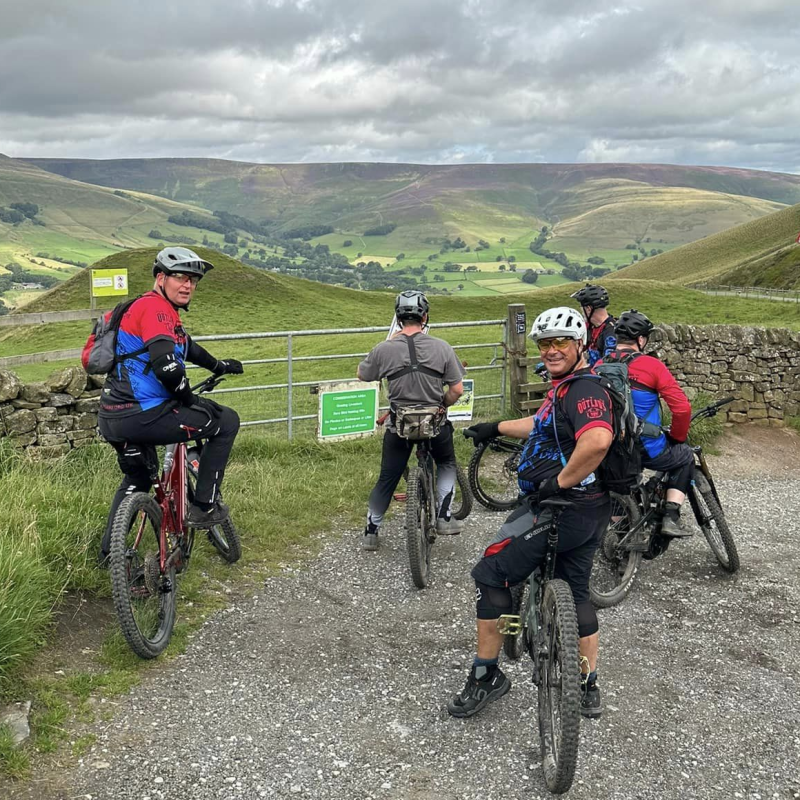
(587, 619)
(491, 602)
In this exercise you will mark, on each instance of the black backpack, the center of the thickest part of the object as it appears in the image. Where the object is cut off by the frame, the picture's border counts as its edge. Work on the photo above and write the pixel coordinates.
(622, 466)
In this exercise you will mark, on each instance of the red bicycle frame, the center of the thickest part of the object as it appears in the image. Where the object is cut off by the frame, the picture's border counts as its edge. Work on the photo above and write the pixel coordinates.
(170, 492)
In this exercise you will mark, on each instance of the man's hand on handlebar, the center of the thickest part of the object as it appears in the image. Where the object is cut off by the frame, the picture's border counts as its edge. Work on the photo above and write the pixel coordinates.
(228, 366)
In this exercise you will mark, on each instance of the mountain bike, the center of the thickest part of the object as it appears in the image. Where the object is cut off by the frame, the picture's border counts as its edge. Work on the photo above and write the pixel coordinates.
(545, 624)
(634, 532)
(493, 473)
(421, 512)
(151, 543)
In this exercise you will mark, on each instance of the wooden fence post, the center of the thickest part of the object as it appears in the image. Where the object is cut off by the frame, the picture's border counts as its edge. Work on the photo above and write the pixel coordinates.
(516, 352)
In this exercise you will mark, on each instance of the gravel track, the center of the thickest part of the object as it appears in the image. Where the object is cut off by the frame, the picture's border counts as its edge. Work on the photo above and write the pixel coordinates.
(332, 681)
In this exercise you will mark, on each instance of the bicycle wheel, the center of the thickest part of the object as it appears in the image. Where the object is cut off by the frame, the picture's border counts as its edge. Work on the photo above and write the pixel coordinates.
(224, 536)
(514, 645)
(144, 597)
(461, 506)
(493, 475)
(711, 519)
(559, 688)
(418, 534)
(614, 568)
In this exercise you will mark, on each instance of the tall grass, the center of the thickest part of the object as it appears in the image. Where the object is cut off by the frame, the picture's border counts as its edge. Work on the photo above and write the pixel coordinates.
(52, 518)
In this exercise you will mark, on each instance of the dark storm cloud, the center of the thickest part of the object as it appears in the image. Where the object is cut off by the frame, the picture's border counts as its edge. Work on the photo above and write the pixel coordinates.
(708, 81)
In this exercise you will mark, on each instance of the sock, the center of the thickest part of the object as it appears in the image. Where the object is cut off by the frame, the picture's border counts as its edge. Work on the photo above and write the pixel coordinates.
(673, 510)
(590, 679)
(204, 506)
(484, 667)
(371, 528)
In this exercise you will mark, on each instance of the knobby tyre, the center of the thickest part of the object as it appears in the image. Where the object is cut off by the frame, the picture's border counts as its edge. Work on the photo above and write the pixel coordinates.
(560, 688)
(224, 537)
(711, 519)
(493, 477)
(417, 534)
(614, 568)
(514, 645)
(144, 598)
(461, 506)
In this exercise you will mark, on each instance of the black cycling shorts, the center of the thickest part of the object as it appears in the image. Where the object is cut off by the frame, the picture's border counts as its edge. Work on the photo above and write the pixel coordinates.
(521, 545)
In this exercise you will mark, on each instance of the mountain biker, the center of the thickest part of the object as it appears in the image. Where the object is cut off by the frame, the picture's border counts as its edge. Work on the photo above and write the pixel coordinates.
(594, 301)
(147, 401)
(567, 439)
(438, 365)
(650, 380)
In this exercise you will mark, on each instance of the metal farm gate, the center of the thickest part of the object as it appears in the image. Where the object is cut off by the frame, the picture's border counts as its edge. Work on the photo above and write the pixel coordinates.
(291, 365)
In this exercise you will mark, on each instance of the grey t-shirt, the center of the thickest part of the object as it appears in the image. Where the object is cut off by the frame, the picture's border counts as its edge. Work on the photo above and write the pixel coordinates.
(415, 388)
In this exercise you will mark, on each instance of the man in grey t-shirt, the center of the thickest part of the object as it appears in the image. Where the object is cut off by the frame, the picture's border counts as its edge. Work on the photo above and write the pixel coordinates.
(438, 366)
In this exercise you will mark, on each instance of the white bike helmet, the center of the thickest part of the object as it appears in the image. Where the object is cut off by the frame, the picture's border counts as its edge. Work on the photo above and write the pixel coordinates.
(561, 321)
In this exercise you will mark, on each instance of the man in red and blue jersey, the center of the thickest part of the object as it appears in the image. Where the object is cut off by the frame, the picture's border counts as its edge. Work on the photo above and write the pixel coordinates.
(650, 381)
(147, 401)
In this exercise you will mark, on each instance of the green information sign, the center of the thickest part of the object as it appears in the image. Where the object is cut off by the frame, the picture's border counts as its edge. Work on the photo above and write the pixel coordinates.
(345, 412)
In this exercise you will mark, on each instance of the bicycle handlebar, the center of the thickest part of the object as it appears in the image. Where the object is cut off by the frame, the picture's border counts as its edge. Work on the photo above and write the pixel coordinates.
(711, 409)
(208, 384)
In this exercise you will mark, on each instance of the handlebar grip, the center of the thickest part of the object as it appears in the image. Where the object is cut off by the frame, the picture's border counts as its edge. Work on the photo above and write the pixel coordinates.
(724, 402)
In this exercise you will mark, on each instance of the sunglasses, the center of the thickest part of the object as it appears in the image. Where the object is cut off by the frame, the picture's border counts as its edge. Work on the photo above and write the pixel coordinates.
(561, 343)
(183, 278)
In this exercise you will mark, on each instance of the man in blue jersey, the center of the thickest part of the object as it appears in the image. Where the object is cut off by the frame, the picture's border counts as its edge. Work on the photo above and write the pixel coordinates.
(147, 400)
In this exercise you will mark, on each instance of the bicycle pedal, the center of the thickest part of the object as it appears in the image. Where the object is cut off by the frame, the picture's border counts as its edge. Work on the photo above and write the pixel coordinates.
(400, 497)
(509, 624)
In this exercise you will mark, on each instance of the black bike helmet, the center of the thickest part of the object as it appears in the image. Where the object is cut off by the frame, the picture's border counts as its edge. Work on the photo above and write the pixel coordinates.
(411, 304)
(591, 295)
(180, 260)
(631, 325)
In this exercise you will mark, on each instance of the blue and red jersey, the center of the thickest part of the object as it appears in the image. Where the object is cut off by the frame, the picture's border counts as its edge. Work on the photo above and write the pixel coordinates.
(132, 386)
(650, 379)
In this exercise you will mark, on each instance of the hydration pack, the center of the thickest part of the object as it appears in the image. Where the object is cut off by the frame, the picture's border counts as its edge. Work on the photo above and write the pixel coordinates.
(99, 355)
(622, 465)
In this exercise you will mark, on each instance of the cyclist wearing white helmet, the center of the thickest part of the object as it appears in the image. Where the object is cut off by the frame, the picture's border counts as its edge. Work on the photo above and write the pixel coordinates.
(417, 368)
(567, 439)
(147, 400)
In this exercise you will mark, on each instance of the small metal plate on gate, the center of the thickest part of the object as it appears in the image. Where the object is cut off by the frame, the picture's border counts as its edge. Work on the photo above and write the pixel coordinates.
(520, 322)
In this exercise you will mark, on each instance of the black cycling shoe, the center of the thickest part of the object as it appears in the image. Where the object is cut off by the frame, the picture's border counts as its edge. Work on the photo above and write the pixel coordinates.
(591, 705)
(478, 693)
(198, 518)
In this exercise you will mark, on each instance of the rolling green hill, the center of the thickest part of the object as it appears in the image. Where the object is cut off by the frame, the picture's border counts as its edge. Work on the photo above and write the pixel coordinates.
(238, 298)
(761, 253)
(79, 222)
(592, 209)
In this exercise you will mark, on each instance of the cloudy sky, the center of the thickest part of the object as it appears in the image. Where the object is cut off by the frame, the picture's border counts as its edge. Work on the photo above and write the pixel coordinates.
(677, 81)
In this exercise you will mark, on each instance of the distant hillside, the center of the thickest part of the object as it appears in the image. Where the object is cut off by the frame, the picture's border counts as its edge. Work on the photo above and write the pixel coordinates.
(79, 222)
(623, 201)
(762, 252)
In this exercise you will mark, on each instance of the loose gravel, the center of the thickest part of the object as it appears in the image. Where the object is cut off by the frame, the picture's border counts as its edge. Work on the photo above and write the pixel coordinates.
(332, 681)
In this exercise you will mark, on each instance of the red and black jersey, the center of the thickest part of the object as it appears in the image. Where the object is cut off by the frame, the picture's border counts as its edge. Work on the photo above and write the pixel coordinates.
(582, 405)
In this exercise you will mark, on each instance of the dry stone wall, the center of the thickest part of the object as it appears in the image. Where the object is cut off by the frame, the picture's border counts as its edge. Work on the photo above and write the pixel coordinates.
(49, 418)
(760, 367)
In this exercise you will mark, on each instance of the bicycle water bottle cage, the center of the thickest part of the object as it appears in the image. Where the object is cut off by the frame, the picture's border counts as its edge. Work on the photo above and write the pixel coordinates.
(509, 624)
